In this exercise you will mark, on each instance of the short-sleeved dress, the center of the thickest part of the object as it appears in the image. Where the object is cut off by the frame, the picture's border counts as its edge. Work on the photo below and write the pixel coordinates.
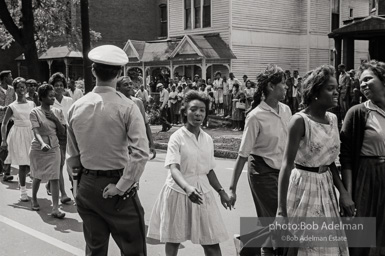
(312, 194)
(21, 135)
(175, 218)
(45, 165)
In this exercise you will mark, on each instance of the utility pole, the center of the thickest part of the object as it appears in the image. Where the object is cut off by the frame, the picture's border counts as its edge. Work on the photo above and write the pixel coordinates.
(86, 43)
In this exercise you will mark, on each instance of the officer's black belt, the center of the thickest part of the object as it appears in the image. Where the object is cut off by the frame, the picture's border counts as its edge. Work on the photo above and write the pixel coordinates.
(104, 173)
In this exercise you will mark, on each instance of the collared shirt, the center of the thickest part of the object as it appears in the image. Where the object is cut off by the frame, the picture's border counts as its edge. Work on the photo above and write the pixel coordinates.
(102, 125)
(76, 94)
(5, 99)
(143, 95)
(218, 83)
(265, 133)
(64, 105)
(374, 135)
(164, 97)
(47, 128)
(194, 156)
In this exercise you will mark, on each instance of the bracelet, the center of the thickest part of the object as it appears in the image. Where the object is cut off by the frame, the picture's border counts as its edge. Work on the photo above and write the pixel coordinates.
(219, 190)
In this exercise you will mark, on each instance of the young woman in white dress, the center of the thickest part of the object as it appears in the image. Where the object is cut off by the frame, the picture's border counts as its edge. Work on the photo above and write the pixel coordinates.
(186, 207)
(20, 135)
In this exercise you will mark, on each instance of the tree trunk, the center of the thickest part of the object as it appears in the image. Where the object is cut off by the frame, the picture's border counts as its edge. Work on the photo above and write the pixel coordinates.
(86, 42)
(24, 36)
(28, 40)
(32, 61)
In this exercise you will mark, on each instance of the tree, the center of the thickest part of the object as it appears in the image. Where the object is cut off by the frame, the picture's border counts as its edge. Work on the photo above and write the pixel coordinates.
(33, 24)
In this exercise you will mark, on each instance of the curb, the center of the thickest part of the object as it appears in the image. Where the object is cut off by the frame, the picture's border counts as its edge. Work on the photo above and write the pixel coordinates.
(217, 152)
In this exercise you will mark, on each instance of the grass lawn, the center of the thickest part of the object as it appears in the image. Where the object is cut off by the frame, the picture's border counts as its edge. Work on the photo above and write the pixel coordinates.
(224, 139)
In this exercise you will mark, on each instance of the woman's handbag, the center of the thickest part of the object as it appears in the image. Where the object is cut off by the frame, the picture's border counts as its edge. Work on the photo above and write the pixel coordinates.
(240, 105)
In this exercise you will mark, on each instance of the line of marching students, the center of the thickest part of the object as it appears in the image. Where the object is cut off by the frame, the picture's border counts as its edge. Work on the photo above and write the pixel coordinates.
(291, 158)
(292, 164)
(33, 132)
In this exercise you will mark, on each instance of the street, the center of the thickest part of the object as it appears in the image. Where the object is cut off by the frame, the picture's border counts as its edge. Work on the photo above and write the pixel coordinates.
(25, 232)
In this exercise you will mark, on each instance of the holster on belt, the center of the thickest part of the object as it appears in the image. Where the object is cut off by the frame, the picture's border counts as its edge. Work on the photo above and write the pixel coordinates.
(130, 192)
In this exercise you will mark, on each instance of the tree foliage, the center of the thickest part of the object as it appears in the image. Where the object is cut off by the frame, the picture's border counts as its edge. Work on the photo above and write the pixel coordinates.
(53, 20)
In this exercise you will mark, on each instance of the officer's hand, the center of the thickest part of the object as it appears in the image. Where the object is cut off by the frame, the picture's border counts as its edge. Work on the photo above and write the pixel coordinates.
(111, 191)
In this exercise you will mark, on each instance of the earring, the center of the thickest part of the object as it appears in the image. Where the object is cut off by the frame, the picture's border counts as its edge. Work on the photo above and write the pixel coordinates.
(316, 98)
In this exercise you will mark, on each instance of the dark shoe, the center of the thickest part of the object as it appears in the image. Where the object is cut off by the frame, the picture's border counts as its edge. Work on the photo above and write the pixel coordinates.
(7, 177)
(48, 189)
(65, 200)
(58, 215)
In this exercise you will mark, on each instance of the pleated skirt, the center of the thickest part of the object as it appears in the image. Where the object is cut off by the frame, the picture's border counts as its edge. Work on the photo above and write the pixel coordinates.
(312, 195)
(19, 143)
(176, 219)
(369, 199)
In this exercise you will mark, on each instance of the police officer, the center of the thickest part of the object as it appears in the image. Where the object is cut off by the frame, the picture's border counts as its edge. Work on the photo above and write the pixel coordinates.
(102, 125)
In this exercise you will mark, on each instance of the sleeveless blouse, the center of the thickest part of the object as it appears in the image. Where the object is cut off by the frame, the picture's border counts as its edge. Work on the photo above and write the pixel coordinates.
(321, 144)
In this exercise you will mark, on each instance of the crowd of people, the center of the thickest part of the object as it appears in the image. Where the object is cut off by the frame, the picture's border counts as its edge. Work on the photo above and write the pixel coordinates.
(231, 98)
(290, 140)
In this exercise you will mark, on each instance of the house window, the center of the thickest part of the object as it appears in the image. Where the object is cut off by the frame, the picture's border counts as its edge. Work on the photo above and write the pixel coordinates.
(197, 14)
(373, 4)
(335, 14)
(206, 13)
(187, 9)
(350, 12)
(163, 20)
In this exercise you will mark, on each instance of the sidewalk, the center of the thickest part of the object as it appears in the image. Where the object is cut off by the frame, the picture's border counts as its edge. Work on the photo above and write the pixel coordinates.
(226, 141)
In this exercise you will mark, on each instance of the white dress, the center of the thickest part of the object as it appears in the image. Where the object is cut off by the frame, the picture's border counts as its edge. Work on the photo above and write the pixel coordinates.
(175, 218)
(21, 134)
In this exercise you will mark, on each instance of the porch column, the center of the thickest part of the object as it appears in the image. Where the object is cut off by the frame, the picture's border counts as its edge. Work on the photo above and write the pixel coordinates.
(204, 69)
(18, 68)
(67, 63)
(171, 70)
(49, 66)
(125, 70)
(348, 53)
(338, 47)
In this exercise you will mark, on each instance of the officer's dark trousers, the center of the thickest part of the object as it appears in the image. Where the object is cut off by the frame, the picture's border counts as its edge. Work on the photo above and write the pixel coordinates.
(101, 218)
